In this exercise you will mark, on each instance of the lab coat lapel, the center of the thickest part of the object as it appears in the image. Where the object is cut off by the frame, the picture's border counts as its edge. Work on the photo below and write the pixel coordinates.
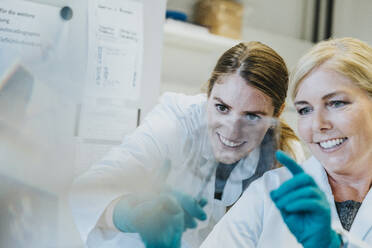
(362, 225)
(317, 171)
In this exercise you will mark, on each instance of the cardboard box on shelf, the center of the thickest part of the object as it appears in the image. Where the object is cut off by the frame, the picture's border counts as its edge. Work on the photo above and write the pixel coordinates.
(222, 17)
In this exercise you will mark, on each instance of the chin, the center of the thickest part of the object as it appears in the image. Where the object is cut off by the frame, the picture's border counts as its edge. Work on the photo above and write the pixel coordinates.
(226, 159)
(333, 163)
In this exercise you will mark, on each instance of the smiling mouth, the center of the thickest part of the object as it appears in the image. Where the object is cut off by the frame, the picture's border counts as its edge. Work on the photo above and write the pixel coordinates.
(332, 143)
(229, 143)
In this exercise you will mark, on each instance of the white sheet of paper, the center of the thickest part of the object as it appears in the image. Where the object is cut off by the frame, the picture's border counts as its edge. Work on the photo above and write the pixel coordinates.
(106, 119)
(115, 48)
(29, 29)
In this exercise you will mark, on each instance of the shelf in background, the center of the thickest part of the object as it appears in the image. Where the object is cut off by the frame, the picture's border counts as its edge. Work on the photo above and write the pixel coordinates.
(191, 36)
(188, 36)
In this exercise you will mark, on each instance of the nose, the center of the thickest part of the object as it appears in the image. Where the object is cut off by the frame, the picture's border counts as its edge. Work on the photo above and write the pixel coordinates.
(320, 121)
(235, 127)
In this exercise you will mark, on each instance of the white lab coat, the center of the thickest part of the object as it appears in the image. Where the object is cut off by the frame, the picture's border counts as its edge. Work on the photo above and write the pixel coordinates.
(254, 221)
(176, 129)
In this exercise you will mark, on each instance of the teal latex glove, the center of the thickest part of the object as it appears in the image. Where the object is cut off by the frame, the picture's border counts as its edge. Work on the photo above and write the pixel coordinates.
(160, 220)
(192, 209)
(304, 208)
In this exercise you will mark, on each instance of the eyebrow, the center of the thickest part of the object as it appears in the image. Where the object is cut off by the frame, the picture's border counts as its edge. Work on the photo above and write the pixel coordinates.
(245, 112)
(330, 95)
(220, 100)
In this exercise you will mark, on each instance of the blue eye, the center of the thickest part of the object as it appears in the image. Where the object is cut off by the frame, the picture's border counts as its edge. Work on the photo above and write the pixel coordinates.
(252, 117)
(304, 111)
(221, 108)
(337, 104)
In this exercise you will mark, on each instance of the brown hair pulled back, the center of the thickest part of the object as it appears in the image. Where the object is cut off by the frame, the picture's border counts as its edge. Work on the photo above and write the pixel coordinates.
(261, 67)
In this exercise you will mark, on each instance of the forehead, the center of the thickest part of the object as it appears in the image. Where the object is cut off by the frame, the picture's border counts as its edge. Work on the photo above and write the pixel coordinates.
(324, 81)
(234, 91)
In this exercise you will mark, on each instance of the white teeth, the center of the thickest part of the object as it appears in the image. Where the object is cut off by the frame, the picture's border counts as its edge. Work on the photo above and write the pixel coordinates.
(229, 143)
(331, 143)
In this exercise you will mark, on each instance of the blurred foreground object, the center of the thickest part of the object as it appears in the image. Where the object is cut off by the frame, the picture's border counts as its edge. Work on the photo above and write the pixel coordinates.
(222, 17)
(28, 215)
(16, 84)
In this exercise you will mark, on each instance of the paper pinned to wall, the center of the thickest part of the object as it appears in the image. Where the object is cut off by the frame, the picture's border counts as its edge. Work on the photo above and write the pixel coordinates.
(112, 89)
(115, 49)
(29, 29)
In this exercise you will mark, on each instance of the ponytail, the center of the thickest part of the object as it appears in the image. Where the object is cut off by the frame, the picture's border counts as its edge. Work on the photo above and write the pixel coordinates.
(289, 142)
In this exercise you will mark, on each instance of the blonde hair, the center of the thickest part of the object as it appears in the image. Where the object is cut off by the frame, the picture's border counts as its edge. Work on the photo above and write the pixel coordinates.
(347, 56)
(261, 67)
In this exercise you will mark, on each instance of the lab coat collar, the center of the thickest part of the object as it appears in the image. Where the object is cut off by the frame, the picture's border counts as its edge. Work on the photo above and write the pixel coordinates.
(361, 226)
(245, 168)
(315, 169)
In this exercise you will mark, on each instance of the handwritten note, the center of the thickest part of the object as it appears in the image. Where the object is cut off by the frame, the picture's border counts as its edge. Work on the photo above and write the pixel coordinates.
(116, 48)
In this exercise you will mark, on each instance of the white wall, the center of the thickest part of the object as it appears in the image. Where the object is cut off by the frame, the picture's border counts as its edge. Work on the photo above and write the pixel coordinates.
(353, 19)
(154, 14)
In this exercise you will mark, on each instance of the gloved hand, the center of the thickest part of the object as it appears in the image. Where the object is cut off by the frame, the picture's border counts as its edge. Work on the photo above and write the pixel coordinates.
(192, 208)
(160, 220)
(304, 208)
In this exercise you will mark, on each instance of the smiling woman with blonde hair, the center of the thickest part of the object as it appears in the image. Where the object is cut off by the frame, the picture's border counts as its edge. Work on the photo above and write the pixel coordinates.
(326, 202)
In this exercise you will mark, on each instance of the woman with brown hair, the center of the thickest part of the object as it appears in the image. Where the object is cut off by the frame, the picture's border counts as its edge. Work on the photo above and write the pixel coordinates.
(212, 145)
